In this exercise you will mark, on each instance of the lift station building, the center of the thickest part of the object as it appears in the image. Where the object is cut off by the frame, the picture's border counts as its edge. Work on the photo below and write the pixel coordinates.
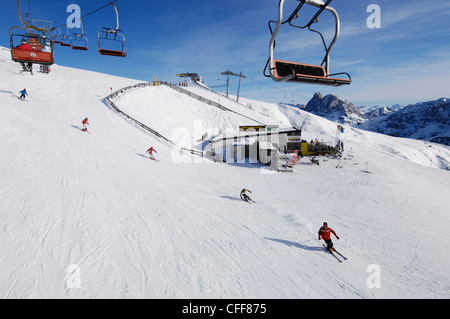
(256, 144)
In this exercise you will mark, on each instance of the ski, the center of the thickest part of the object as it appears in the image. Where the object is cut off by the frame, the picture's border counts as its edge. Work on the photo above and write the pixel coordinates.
(337, 258)
(331, 252)
(345, 258)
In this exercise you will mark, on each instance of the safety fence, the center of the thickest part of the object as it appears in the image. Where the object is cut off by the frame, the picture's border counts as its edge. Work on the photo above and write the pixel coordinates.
(110, 97)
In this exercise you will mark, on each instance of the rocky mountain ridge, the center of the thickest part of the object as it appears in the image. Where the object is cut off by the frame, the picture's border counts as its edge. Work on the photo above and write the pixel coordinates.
(428, 121)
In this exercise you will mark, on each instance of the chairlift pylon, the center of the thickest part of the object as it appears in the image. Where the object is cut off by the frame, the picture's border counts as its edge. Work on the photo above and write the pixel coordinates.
(286, 71)
(112, 35)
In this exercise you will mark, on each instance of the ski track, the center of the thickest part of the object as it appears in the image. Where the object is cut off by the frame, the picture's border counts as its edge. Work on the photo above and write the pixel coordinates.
(32, 255)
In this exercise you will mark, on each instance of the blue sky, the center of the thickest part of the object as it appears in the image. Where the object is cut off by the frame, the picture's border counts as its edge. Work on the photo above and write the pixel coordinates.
(407, 60)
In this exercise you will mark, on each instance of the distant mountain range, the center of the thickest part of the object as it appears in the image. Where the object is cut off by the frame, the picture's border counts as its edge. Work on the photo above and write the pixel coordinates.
(428, 121)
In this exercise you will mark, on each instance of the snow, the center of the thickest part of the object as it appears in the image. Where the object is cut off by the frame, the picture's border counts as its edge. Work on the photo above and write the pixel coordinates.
(266, 146)
(88, 215)
(181, 118)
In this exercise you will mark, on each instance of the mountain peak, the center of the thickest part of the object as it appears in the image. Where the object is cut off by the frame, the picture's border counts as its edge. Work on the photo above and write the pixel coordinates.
(334, 108)
(424, 120)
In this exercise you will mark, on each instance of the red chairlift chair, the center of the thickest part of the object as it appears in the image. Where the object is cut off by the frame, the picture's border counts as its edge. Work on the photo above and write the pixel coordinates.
(79, 42)
(108, 35)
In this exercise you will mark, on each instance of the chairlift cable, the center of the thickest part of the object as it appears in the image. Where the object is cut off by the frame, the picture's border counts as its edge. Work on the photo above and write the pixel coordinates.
(112, 2)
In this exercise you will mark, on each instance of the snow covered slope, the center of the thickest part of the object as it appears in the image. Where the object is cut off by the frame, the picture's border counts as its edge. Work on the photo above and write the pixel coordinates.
(87, 215)
(183, 119)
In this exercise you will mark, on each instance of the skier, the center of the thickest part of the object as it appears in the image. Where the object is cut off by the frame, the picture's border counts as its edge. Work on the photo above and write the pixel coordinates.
(85, 122)
(150, 151)
(26, 66)
(22, 94)
(47, 46)
(314, 160)
(244, 195)
(325, 234)
(24, 46)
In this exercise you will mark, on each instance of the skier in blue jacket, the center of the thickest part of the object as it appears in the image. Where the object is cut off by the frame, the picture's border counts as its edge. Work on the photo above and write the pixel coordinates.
(23, 93)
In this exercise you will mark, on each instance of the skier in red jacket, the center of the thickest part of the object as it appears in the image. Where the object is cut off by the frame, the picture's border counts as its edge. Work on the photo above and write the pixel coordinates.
(325, 234)
(150, 151)
(85, 122)
(24, 46)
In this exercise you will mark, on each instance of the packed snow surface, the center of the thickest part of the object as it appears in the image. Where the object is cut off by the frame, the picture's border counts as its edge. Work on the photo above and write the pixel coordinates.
(88, 215)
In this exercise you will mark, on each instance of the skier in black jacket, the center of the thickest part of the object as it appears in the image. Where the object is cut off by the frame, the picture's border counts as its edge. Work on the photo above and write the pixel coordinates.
(244, 195)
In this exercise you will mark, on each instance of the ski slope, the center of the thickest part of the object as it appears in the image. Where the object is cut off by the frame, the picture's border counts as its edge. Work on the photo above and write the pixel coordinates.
(88, 215)
(182, 119)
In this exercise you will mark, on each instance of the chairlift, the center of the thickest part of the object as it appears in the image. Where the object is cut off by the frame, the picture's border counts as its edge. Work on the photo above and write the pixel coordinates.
(286, 71)
(41, 47)
(57, 37)
(31, 44)
(79, 41)
(108, 35)
(65, 39)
